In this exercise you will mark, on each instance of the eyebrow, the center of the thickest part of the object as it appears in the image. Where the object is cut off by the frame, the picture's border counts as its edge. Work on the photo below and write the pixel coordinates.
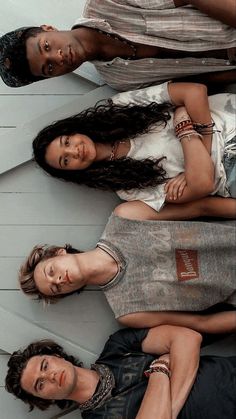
(41, 52)
(60, 158)
(38, 379)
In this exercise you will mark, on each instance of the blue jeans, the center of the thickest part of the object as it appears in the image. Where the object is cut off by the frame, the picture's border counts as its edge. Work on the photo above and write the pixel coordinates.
(229, 161)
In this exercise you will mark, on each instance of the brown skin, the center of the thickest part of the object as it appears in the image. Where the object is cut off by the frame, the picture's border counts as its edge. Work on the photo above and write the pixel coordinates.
(53, 53)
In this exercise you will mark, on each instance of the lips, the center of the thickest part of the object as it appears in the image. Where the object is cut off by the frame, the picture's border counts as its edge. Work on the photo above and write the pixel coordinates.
(62, 377)
(67, 278)
(82, 152)
(71, 57)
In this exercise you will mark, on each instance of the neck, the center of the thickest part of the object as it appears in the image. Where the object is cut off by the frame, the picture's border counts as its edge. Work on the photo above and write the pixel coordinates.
(103, 151)
(86, 37)
(87, 381)
(112, 151)
(97, 266)
(101, 46)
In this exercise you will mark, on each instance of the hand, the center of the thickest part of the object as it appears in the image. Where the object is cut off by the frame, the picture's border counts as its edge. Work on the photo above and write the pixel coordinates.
(174, 187)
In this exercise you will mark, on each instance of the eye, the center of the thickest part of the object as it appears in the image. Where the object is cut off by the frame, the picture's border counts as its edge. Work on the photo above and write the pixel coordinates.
(66, 161)
(67, 141)
(50, 69)
(51, 271)
(46, 46)
(45, 366)
(41, 385)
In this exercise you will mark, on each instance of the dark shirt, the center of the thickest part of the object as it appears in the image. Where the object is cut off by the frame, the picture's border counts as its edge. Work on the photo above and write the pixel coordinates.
(213, 395)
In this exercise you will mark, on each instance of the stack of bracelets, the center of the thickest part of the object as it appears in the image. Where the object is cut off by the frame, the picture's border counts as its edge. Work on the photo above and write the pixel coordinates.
(186, 128)
(158, 365)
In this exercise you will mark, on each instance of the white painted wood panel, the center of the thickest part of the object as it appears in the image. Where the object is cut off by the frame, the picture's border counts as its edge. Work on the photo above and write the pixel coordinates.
(28, 198)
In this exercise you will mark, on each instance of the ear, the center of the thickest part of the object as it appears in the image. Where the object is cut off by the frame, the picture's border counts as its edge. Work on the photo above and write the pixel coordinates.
(61, 252)
(48, 28)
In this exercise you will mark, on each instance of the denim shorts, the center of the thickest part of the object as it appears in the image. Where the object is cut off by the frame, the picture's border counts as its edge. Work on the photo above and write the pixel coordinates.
(229, 162)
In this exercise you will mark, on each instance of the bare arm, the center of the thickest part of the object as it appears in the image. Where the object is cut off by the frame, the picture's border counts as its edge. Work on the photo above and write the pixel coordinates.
(199, 171)
(194, 98)
(224, 322)
(199, 183)
(183, 345)
(156, 403)
(224, 11)
(214, 206)
(212, 79)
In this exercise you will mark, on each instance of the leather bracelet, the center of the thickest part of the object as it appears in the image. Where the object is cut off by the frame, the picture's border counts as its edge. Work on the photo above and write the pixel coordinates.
(162, 370)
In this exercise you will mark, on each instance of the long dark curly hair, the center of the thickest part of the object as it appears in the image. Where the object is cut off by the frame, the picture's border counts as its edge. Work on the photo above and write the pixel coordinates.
(17, 364)
(106, 123)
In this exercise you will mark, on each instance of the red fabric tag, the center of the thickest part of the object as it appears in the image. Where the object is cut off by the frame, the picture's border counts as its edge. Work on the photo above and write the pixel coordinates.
(186, 264)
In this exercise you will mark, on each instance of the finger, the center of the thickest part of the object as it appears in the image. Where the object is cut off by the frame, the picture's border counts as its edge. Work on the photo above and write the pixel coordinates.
(168, 185)
(181, 188)
(173, 190)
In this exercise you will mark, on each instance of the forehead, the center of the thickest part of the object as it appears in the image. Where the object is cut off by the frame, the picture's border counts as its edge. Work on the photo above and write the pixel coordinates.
(30, 372)
(53, 149)
(40, 275)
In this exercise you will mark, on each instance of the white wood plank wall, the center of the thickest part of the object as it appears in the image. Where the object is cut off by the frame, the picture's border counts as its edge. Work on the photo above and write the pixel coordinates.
(37, 209)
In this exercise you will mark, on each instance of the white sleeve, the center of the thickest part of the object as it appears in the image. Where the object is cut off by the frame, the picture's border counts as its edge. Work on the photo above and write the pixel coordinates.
(152, 196)
(152, 4)
(159, 94)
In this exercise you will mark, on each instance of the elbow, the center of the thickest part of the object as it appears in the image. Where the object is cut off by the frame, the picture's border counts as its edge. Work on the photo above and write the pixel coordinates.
(192, 337)
(208, 187)
(200, 90)
(203, 186)
(123, 210)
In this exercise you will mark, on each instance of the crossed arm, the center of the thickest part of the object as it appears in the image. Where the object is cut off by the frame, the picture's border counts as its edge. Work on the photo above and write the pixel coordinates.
(222, 322)
(163, 398)
(194, 201)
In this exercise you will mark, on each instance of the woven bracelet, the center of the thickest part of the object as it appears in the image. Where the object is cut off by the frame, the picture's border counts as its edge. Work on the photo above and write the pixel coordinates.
(163, 370)
(159, 361)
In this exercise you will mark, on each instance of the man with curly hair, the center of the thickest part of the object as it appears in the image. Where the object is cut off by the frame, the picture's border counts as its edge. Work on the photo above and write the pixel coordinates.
(130, 379)
(131, 43)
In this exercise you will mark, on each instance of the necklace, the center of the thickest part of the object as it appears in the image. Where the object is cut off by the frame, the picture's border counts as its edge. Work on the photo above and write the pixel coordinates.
(124, 41)
(103, 390)
(114, 149)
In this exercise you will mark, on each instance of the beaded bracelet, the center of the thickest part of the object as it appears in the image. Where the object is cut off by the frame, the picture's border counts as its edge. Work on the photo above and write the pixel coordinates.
(163, 370)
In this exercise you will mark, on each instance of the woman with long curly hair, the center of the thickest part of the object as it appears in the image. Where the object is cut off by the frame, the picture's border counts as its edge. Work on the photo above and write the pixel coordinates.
(129, 145)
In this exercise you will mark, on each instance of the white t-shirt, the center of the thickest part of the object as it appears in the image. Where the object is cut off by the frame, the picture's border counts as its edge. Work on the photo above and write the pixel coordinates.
(161, 141)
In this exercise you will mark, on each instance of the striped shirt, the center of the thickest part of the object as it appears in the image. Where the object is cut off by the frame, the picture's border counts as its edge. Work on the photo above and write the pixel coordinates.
(157, 23)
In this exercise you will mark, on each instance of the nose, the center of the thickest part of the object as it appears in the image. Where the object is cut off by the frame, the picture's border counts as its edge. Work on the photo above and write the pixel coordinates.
(59, 279)
(50, 376)
(57, 57)
(73, 152)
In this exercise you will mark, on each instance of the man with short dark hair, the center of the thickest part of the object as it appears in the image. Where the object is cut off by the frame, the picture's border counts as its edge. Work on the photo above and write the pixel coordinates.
(130, 379)
(131, 43)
